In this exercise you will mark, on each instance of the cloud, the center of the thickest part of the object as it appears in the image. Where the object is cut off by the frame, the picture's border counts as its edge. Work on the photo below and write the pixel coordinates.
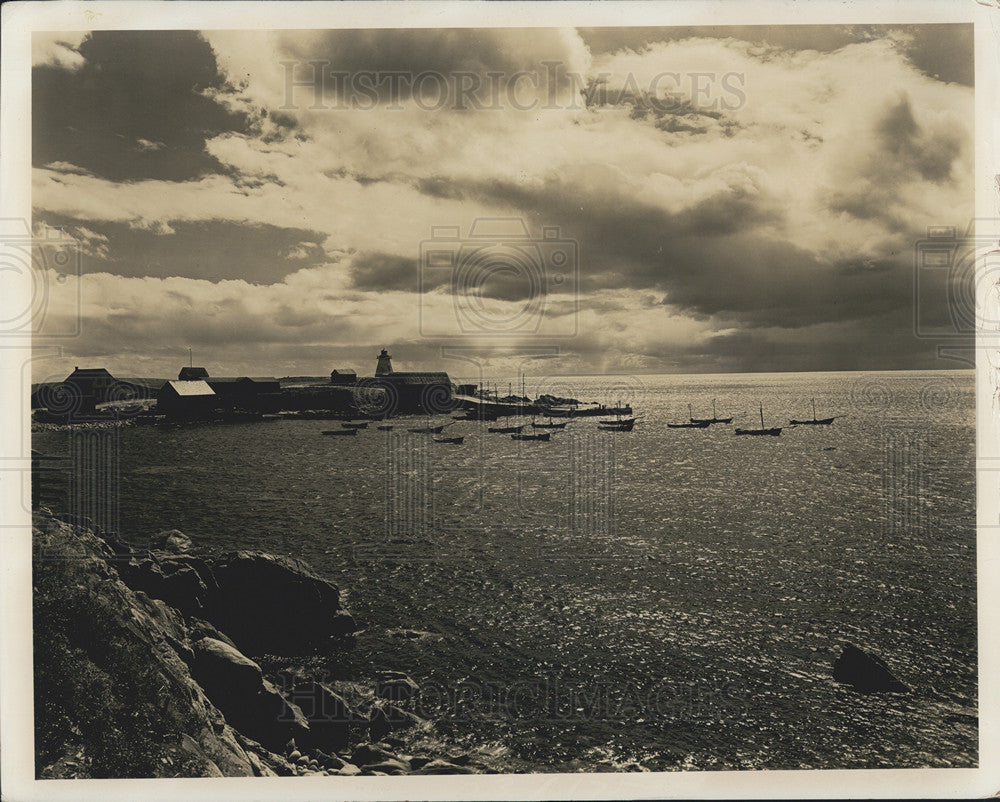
(129, 104)
(781, 191)
(57, 49)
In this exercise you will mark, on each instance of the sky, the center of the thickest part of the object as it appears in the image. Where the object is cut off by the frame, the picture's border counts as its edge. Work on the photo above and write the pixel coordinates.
(638, 200)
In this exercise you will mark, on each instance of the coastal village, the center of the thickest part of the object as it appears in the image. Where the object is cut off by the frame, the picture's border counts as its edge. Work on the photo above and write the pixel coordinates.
(92, 394)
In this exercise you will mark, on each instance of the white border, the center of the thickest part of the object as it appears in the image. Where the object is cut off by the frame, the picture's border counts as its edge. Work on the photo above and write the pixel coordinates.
(16, 755)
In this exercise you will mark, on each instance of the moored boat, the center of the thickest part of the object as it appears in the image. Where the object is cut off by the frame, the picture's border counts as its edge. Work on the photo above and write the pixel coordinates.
(773, 432)
(714, 419)
(542, 436)
(340, 431)
(815, 421)
(453, 440)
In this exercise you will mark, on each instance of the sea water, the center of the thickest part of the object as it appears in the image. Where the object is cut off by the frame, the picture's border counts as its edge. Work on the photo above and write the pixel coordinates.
(674, 597)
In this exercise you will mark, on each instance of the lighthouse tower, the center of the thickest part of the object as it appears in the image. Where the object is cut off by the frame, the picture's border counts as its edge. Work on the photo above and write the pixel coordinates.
(384, 367)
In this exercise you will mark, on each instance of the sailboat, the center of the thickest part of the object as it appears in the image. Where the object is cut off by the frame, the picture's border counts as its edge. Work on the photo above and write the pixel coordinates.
(815, 421)
(543, 436)
(619, 424)
(691, 424)
(453, 440)
(428, 429)
(549, 425)
(506, 429)
(350, 425)
(714, 419)
(772, 432)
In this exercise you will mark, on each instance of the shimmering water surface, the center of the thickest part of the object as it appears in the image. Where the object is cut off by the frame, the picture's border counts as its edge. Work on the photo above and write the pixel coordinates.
(674, 597)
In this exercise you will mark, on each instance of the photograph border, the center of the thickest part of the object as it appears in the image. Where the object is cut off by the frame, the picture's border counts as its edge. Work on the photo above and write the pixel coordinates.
(19, 19)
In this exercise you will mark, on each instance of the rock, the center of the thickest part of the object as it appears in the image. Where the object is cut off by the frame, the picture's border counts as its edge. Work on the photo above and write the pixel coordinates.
(227, 675)
(173, 541)
(375, 773)
(386, 718)
(250, 703)
(74, 573)
(294, 755)
(866, 672)
(369, 753)
(275, 605)
(176, 583)
(388, 767)
(462, 759)
(330, 717)
(202, 629)
(395, 686)
(419, 762)
(443, 767)
(349, 770)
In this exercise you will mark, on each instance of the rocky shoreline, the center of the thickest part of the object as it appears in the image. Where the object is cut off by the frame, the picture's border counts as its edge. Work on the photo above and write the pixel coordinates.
(149, 663)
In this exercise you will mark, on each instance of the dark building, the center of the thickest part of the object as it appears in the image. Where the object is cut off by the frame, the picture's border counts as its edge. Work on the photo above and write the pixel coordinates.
(243, 392)
(428, 392)
(186, 399)
(192, 373)
(90, 385)
(343, 376)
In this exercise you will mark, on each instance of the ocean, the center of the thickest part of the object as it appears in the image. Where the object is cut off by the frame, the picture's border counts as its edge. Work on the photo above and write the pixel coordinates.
(674, 598)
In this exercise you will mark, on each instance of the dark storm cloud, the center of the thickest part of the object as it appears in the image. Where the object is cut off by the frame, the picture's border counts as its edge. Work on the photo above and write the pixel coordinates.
(134, 109)
(708, 260)
(214, 250)
(942, 51)
(447, 64)
(385, 271)
(874, 343)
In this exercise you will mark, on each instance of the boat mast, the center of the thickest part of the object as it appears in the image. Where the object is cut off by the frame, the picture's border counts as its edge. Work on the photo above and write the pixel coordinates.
(814, 409)
(690, 413)
(714, 414)
(762, 416)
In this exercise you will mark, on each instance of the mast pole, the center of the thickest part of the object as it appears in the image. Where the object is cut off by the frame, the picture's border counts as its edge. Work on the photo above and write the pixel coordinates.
(762, 416)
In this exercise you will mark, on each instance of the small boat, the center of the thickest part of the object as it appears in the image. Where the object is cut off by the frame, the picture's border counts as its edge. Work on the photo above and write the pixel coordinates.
(428, 430)
(349, 425)
(612, 426)
(341, 431)
(714, 419)
(453, 440)
(386, 428)
(815, 421)
(505, 429)
(761, 431)
(691, 425)
(549, 425)
(542, 436)
(617, 422)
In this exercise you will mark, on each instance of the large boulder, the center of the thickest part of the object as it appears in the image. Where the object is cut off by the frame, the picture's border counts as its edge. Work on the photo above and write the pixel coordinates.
(171, 540)
(176, 581)
(251, 704)
(866, 672)
(329, 715)
(386, 718)
(227, 675)
(395, 686)
(275, 605)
